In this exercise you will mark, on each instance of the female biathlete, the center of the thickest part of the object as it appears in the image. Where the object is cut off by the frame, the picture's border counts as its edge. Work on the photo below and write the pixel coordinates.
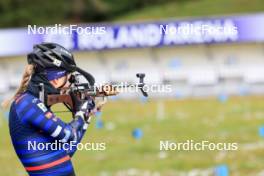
(32, 122)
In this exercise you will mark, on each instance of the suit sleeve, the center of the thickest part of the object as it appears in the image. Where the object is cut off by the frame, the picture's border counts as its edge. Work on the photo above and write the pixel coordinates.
(32, 111)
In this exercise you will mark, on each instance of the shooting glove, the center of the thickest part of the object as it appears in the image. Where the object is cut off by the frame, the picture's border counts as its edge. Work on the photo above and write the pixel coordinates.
(83, 108)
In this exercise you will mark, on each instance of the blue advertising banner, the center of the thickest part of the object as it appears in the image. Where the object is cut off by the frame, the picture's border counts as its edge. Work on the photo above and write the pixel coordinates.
(247, 28)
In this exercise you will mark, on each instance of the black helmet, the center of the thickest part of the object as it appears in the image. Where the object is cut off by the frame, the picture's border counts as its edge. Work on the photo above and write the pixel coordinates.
(52, 55)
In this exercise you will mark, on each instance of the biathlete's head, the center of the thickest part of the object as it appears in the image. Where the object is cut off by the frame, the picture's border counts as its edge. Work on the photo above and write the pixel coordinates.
(49, 64)
(52, 66)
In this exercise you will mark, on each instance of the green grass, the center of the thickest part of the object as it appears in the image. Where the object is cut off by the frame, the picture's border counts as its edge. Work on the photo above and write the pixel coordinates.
(197, 8)
(237, 120)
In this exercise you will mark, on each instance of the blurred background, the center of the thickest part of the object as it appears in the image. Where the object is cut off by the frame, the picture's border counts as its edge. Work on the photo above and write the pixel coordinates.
(217, 81)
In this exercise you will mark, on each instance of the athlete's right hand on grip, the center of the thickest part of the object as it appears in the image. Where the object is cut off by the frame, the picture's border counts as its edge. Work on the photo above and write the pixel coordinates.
(83, 108)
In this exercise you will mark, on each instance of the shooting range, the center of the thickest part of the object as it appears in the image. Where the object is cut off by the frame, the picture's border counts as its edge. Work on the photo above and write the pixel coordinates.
(183, 80)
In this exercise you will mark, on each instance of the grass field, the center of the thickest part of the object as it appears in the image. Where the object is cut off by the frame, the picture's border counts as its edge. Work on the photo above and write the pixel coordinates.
(237, 120)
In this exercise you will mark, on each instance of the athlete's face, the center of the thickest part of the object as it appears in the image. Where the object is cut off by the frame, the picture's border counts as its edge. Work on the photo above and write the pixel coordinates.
(62, 82)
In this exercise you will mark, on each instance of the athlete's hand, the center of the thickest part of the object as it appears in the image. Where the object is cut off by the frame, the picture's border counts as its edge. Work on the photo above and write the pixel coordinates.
(83, 108)
(86, 109)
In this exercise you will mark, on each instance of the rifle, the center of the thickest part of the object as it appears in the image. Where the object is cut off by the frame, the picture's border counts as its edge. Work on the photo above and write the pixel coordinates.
(84, 90)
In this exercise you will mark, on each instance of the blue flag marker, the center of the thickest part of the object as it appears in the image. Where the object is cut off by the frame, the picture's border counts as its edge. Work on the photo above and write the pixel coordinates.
(99, 124)
(143, 99)
(137, 133)
(261, 131)
(221, 170)
(223, 97)
(98, 114)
